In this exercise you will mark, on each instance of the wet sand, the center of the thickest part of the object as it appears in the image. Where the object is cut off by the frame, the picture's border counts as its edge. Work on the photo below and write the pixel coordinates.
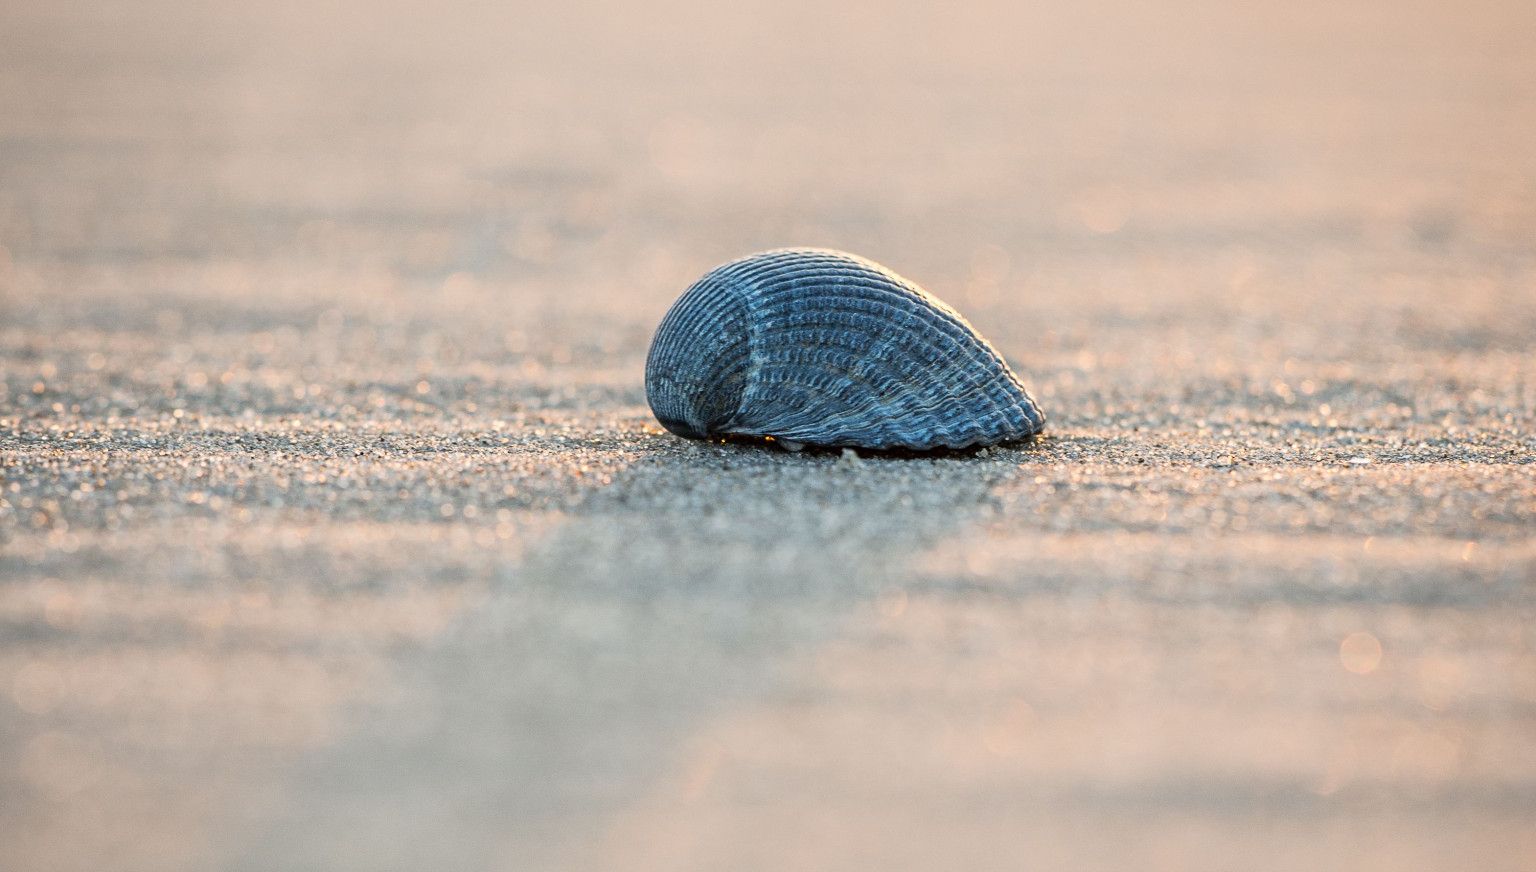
(335, 532)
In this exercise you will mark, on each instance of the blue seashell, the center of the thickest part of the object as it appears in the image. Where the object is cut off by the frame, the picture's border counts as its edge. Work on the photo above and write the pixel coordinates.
(820, 347)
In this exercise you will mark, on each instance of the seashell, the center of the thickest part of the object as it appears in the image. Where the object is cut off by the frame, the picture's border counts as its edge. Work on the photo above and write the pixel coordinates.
(820, 347)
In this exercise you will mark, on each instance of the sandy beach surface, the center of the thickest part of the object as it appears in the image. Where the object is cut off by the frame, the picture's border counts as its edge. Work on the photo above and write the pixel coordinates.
(335, 532)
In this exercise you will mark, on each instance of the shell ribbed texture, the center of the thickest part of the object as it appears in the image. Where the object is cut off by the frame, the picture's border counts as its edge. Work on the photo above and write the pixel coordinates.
(826, 348)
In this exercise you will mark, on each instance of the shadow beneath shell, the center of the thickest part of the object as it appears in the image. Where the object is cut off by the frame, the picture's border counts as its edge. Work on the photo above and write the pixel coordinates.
(692, 584)
(769, 443)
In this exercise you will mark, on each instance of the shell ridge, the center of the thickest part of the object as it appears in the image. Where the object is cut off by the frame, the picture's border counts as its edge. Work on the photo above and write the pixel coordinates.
(1004, 412)
(950, 338)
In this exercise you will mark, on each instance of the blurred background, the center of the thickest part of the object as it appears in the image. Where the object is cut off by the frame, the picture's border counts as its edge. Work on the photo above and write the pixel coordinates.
(629, 146)
(322, 328)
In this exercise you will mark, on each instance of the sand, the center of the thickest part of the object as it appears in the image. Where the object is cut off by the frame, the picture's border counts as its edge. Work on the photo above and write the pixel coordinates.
(335, 532)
